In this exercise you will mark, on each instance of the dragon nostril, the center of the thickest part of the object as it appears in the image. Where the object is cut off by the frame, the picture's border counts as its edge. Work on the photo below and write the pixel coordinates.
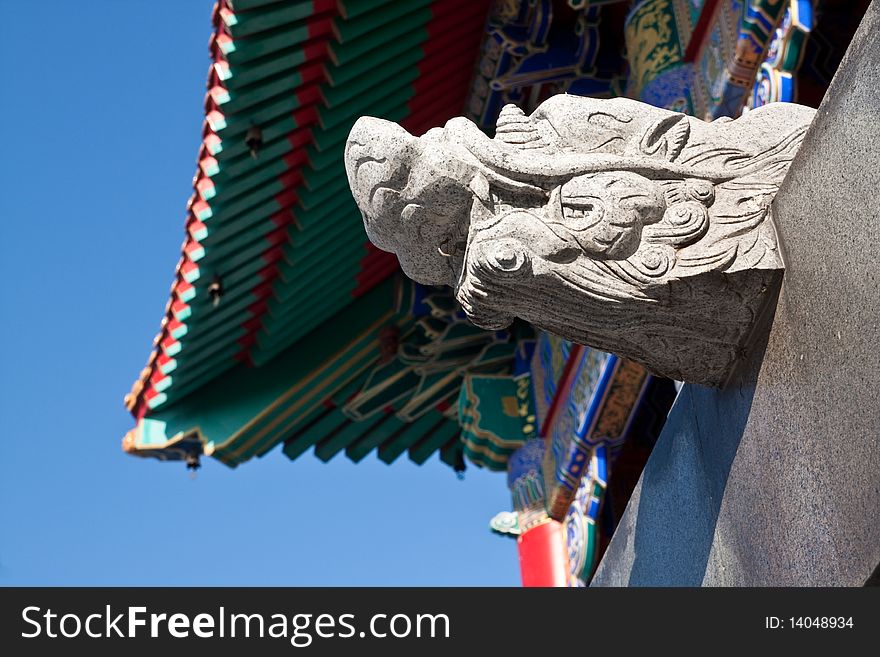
(506, 256)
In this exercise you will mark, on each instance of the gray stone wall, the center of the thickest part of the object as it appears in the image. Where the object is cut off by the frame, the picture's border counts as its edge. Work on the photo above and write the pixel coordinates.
(775, 480)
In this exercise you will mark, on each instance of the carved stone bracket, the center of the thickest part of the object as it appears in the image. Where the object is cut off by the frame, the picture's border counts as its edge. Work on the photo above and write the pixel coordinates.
(615, 224)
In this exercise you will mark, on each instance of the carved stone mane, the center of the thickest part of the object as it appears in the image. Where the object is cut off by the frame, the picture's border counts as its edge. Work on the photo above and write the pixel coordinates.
(612, 223)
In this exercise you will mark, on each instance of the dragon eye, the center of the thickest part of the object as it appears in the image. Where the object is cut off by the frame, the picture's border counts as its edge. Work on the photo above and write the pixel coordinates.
(580, 215)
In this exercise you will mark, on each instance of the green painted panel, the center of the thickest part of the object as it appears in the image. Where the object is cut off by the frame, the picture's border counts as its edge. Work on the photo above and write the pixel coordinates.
(313, 312)
(326, 165)
(222, 244)
(325, 274)
(243, 5)
(197, 360)
(392, 448)
(268, 433)
(359, 353)
(377, 101)
(338, 278)
(309, 418)
(311, 273)
(345, 53)
(191, 379)
(364, 24)
(263, 68)
(368, 441)
(223, 406)
(266, 207)
(389, 384)
(234, 147)
(346, 250)
(238, 207)
(394, 109)
(351, 9)
(283, 37)
(297, 433)
(399, 70)
(452, 452)
(264, 169)
(330, 446)
(422, 450)
(313, 197)
(246, 97)
(329, 424)
(329, 427)
(213, 331)
(244, 162)
(406, 46)
(283, 60)
(327, 213)
(269, 17)
(259, 115)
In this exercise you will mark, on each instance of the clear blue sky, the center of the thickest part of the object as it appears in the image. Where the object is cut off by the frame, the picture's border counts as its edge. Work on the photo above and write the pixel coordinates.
(101, 117)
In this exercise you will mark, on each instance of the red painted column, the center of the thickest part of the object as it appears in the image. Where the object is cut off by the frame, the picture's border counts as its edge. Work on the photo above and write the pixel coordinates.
(542, 556)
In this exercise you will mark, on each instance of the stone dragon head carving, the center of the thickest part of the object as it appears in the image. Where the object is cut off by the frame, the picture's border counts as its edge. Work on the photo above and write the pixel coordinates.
(612, 223)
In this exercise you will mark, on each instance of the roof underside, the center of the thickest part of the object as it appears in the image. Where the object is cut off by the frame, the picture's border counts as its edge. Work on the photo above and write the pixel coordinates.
(274, 312)
(271, 225)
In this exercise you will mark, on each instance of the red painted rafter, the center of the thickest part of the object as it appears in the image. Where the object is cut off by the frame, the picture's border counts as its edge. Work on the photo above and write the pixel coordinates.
(701, 30)
(562, 387)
